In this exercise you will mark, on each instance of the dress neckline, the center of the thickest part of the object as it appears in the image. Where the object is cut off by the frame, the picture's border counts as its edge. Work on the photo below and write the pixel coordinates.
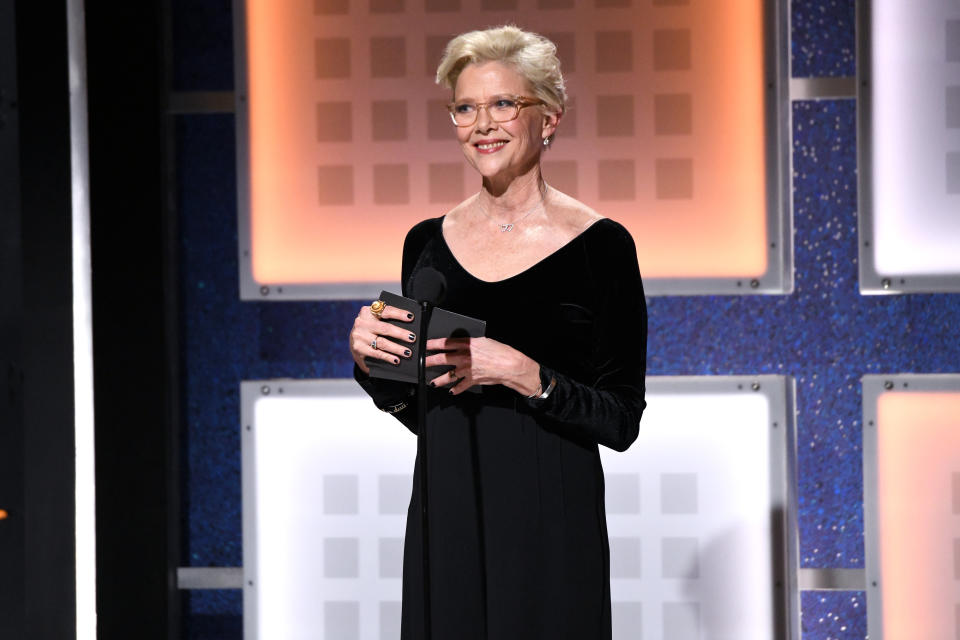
(558, 250)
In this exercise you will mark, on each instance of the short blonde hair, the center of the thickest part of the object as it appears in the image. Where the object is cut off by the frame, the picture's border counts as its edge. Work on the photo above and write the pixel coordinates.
(530, 54)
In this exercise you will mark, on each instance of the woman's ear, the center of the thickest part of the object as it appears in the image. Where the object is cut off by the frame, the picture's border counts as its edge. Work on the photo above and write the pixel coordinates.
(550, 121)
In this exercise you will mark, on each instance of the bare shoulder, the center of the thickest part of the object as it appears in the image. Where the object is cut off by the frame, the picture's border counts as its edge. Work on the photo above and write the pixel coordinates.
(457, 216)
(571, 214)
(457, 212)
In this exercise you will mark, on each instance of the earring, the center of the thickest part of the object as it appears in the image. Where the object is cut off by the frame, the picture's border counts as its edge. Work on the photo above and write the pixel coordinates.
(546, 142)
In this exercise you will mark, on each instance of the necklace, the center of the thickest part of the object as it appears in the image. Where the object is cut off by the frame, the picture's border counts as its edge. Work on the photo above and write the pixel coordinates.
(508, 226)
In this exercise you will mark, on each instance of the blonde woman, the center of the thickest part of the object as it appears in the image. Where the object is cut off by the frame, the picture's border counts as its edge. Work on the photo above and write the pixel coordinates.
(518, 543)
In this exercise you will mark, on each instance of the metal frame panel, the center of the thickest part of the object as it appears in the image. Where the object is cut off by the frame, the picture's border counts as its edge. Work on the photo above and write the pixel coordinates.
(873, 386)
(780, 396)
(778, 279)
(871, 280)
(779, 276)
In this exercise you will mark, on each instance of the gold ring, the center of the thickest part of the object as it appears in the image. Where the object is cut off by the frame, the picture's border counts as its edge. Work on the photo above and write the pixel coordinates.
(377, 307)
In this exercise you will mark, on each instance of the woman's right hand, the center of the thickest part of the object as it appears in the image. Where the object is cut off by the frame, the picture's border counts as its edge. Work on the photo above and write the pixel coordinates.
(391, 341)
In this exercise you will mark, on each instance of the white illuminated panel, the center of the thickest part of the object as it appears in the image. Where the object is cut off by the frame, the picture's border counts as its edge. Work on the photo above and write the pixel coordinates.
(700, 518)
(326, 485)
(910, 146)
(911, 477)
(690, 556)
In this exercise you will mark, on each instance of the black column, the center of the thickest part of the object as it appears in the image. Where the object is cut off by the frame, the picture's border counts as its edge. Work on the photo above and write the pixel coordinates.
(37, 549)
(134, 306)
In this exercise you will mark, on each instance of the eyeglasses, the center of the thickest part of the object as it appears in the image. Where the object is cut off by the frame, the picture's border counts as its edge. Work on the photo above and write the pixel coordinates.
(499, 108)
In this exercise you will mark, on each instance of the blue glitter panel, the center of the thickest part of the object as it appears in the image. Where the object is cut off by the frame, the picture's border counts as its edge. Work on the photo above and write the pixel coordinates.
(215, 337)
(309, 337)
(827, 300)
(225, 341)
(212, 615)
(823, 41)
(840, 335)
(202, 36)
(833, 615)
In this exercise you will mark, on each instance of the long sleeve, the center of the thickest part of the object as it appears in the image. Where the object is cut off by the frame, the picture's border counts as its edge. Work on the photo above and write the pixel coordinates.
(387, 394)
(607, 411)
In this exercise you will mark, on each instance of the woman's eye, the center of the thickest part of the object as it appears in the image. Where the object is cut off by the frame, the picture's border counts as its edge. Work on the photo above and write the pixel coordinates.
(464, 108)
(505, 103)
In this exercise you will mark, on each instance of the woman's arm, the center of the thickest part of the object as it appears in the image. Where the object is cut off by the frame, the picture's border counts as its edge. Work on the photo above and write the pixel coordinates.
(396, 398)
(609, 410)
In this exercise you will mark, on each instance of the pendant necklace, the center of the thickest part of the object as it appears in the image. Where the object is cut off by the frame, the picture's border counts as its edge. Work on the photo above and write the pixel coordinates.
(508, 226)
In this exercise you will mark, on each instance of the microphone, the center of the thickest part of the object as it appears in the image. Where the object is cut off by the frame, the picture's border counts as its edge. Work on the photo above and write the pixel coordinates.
(429, 286)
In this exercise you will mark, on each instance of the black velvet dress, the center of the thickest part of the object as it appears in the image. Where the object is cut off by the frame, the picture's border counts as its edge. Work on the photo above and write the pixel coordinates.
(518, 539)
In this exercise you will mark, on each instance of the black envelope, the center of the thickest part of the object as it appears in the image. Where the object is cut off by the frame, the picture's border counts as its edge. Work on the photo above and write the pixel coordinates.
(443, 324)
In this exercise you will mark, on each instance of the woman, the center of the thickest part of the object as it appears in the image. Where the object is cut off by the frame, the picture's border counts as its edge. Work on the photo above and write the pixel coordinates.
(518, 542)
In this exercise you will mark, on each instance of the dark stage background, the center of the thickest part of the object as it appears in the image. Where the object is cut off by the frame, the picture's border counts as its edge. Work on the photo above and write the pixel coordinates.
(826, 335)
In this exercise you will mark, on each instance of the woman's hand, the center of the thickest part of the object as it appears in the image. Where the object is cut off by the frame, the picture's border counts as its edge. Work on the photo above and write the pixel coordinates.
(368, 330)
(482, 361)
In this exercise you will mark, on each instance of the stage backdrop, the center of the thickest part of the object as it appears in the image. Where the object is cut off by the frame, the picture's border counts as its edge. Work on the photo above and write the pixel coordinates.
(825, 334)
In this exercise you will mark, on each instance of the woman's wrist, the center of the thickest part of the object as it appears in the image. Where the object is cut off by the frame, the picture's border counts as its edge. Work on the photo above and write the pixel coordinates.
(360, 364)
(546, 385)
(527, 382)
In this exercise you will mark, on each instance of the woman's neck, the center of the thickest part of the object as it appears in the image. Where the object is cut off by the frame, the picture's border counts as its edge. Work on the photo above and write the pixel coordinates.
(505, 201)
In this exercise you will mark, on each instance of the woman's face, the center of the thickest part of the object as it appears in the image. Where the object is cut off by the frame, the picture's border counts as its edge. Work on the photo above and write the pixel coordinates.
(500, 150)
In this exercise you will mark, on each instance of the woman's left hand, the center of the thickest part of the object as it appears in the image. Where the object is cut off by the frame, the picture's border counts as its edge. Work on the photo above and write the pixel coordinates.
(482, 361)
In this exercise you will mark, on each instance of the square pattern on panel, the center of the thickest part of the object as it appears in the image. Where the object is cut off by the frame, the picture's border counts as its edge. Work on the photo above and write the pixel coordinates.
(640, 141)
(329, 479)
(688, 510)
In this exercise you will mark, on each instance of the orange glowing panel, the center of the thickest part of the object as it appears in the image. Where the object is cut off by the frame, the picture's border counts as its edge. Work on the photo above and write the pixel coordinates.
(918, 514)
(345, 144)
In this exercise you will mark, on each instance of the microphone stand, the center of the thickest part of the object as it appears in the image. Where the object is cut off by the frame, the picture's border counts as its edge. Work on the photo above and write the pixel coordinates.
(426, 310)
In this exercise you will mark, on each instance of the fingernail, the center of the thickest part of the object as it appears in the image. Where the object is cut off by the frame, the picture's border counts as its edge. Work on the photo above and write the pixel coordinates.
(396, 361)
(432, 384)
(409, 316)
(450, 391)
(406, 352)
(412, 337)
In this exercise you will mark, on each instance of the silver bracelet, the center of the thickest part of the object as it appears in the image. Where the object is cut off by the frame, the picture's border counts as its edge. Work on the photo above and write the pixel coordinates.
(549, 390)
(543, 396)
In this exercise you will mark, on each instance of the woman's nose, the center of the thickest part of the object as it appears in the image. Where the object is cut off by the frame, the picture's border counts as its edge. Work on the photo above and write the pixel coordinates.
(484, 121)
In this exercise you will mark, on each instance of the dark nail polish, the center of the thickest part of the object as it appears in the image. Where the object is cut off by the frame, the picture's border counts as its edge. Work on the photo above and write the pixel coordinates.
(432, 384)
(409, 316)
(450, 391)
(406, 352)
(412, 337)
(397, 361)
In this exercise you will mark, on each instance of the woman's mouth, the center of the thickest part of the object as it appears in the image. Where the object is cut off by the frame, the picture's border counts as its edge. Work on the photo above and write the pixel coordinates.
(491, 146)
